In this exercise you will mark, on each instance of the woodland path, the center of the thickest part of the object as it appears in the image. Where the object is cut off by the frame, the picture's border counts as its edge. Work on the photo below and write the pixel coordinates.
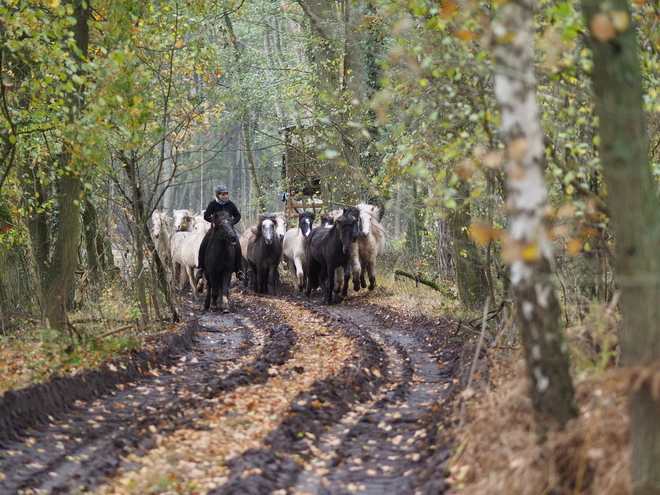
(314, 399)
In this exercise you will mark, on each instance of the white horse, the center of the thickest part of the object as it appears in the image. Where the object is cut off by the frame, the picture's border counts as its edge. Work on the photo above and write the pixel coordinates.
(293, 248)
(161, 231)
(371, 242)
(184, 247)
(183, 221)
(280, 224)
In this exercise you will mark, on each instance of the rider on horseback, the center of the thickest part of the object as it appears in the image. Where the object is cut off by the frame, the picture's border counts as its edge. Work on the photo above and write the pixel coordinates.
(221, 203)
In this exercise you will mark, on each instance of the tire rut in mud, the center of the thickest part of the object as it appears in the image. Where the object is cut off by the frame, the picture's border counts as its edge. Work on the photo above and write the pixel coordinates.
(85, 446)
(386, 449)
(376, 437)
(370, 428)
(277, 466)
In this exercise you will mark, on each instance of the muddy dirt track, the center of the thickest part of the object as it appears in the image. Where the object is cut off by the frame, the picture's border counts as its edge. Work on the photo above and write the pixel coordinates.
(369, 425)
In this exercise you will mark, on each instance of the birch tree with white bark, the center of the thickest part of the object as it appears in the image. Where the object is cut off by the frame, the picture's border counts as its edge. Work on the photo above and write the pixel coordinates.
(527, 248)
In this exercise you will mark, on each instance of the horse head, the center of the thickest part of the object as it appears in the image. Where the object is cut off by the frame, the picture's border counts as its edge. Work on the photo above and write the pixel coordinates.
(160, 224)
(182, 220)
(199, 225)
(280, 225)
(266, 227)
(347, 224)
(222, 225)
(327, 221)
(353, 213)
(305, 222)
(367, 213)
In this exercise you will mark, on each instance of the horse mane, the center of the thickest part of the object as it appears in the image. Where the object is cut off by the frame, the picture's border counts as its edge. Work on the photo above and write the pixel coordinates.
(352, 211)
(221, 215)
(373, 210)
(378, 227)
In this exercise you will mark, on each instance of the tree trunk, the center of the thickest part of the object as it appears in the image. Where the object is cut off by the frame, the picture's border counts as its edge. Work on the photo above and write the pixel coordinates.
(527, 248)
(444, 257)
(59, 275)
(635, 212)
(139, 216)
(247, 142)
(337, 58)
(245, 129)
(470, 275)
(91, 234)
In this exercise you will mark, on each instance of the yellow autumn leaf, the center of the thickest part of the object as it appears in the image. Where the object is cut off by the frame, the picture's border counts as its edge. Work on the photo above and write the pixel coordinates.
(52, 3)
(464, 169)
(465, 35)
(574, 246)
(482, 233)
(179, 43)
(530, 252)
(602, 27)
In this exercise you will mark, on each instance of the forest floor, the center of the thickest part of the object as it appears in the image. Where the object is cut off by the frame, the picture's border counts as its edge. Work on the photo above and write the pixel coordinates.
(288, 396)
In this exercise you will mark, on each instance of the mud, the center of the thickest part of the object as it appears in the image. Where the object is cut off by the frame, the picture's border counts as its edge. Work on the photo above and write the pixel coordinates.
(374, 427)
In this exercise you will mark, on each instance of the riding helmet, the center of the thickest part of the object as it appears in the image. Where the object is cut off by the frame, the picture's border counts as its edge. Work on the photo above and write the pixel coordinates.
(221, 189)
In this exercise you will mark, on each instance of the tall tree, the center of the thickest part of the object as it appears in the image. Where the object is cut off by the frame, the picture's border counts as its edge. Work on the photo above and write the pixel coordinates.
(528, 248)
(632, 198)
(470, 274)
(59, 274)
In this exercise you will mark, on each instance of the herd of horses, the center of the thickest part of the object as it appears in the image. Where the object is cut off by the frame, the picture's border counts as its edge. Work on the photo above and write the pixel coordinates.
(345, 245)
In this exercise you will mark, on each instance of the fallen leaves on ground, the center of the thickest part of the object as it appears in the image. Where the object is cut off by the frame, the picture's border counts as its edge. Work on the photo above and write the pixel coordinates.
(193, 460)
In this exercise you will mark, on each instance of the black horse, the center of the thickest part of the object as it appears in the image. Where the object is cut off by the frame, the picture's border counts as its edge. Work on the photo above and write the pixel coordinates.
(328, 248)
(264, 253)
(219, 259)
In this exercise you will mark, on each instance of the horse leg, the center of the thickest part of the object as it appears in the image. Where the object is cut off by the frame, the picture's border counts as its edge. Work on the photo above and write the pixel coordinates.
(331, 282)
(339, 280)
(372, 276)
(214, 293)
(225, 292)
(207, 299)
(314, 270)
(356, 270)
(191, 278)
(272, 280)
(347, 276)
(177, 275)
(248, 275)
(254, 278)
(299, 273)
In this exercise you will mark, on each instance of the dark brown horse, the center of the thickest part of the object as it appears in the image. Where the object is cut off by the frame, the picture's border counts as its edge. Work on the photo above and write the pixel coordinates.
(219, 259)
(264, 252)
(329, 248)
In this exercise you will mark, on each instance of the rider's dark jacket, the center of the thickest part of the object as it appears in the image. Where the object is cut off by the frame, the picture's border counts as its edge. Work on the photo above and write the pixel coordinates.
(227, 206)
